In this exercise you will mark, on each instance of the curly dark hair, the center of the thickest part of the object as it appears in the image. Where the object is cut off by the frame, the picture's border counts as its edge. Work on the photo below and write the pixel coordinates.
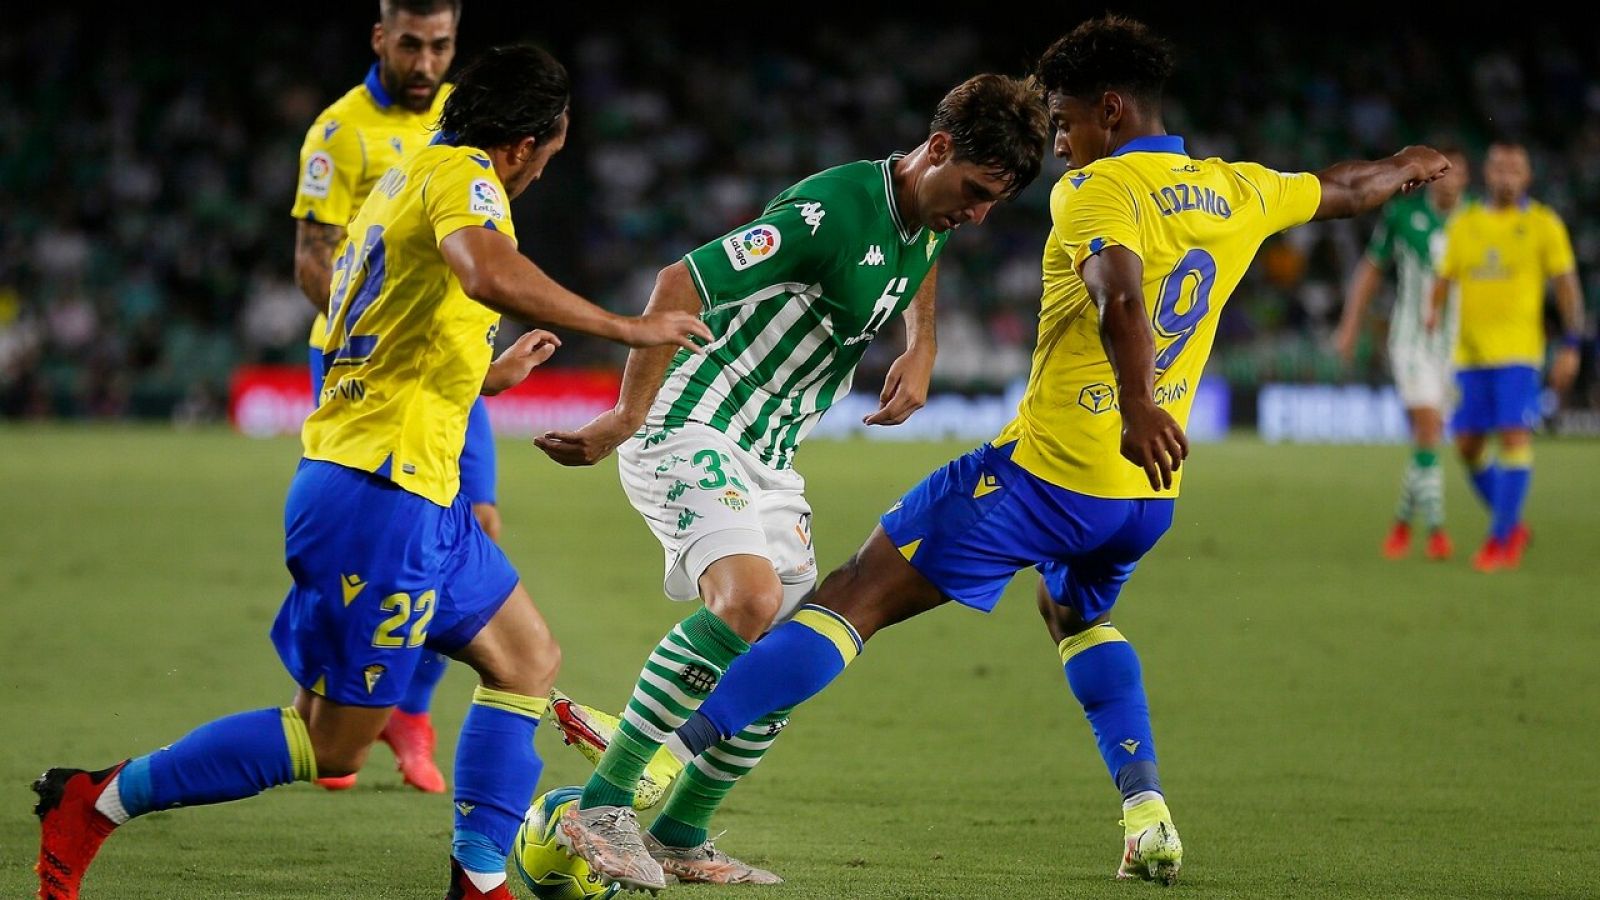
(1105, 54)
(999, 123)
(507, 94)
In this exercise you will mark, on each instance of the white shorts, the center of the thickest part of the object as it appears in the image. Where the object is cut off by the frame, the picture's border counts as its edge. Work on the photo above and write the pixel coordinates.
(1423, 378)
(706, 498)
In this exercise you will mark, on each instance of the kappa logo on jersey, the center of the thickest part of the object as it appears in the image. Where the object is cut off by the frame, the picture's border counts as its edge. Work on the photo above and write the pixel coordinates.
(755, 245)
(874, 257)
(486, 199)
(812, 213)
(318, 176)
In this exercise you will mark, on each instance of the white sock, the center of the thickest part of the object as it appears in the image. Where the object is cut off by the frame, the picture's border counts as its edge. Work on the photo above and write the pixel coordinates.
(485, 881)
(674, 745)
(109, 804)
(1141, 797)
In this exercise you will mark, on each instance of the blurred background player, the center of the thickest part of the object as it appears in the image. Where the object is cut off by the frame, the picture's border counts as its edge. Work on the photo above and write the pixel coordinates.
(1499, 255)
(386, 555)
(349, 146)
(1146, 247)
(1411, 237)
(795, 297)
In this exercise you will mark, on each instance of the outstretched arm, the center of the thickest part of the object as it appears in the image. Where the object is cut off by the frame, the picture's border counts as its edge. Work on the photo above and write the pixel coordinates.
(493, 273)
(1151, 438)
(641, 382)
(1363, 285)
(1352, 188)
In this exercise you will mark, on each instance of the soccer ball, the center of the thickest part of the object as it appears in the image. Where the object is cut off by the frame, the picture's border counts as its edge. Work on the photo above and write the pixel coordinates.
(549, 871)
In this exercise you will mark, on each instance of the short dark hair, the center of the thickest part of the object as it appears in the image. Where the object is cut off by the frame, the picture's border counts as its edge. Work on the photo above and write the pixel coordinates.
(1111, 53)
(507, 94)
(999, 123)
(388, 8)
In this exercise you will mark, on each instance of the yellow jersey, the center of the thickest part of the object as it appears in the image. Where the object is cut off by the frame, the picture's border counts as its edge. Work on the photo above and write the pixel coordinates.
(1196, 225)
(349, 146)
(406, 350)
(1500, 260)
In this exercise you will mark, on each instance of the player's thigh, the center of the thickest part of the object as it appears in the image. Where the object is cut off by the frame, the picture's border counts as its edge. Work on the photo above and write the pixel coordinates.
(786, 520)
(701, 501)
(1088, 584)
(481, 589)
(877, 587)
(514, 651)
(1475, 402)
(366, 584)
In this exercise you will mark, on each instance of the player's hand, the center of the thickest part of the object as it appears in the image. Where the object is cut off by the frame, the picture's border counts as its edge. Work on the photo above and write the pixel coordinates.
(905, 389)
(666, 328)
(1423, 164)
(1344, 341)
(1152, 440)
(589, 444)
(522, 357)
(1430, 318)
(1564, 370)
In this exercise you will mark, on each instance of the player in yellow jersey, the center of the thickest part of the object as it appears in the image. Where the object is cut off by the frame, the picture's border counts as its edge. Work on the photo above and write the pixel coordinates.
(351, 143)
(1500, 254)
(386, 556)
(1147, 244)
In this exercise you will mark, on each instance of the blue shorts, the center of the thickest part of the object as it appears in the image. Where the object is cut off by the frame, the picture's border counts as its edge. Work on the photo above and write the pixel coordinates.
(379, 574)
(478, 467)
(1498, 399)
(982, 518)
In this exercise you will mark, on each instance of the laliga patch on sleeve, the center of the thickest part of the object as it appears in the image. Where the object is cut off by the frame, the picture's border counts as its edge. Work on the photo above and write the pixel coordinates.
(318, 175)
(751, 246)
(486, 199)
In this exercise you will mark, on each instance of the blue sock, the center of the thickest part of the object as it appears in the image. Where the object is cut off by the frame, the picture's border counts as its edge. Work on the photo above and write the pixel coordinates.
(496, 771)
(793, 663)
(430, 669)
(1484, 475)
(1103, 672)
(1510, 490)
(229, 759)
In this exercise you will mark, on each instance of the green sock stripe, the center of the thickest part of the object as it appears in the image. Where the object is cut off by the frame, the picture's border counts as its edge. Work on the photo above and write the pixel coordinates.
(1425, 459)
(712, 768)
(713, 638)
(693, 803)
(663, 709)
(600, 792)
(674, 833)
(649, 716)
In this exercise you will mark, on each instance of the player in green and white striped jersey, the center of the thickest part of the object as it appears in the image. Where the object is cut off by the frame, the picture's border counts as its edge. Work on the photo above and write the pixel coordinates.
(1411, 235)
(793, 299)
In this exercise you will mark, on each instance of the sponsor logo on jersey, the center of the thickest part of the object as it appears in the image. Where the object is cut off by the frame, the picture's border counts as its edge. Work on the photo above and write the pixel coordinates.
(1097, 398)
(752, 246)
(486, 199)
(318, 175)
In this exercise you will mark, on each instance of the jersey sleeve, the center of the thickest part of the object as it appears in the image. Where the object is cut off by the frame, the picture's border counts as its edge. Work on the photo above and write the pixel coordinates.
(1380, 247)
(1555, 247)
(1090, 211)
(462, 192)
(1449, 263)
(331, 163)
(1287, 198)
(797, 241)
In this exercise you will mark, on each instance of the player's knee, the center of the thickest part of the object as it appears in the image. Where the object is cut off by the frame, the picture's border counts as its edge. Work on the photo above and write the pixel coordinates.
(749, 609)
(338, 758)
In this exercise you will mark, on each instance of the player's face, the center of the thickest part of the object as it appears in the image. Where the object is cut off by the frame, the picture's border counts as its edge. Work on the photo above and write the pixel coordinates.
(1082, 134)
(1447, 191)
(539, 157)
(1507, 173)
(956, 192)
(414, 52)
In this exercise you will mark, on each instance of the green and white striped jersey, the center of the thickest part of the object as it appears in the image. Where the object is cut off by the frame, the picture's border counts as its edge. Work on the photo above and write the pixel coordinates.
(1411, 234)
(793, 300)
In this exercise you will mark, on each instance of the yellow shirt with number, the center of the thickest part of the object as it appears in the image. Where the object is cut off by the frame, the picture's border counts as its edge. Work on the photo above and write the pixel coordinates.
(406, 349)
(1196, 225)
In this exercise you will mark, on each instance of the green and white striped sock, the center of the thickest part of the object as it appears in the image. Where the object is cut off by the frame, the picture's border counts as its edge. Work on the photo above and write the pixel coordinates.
(709, 778)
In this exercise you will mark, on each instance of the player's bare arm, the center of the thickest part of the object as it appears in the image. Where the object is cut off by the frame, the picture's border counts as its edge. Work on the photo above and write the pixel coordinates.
(1151, 438)
(513, 366)
(1438, 295)
(314, 243)
(1363, 285)
(1569, 300)
(905, 388)
(493, 273)
(641, 382)
(1352, 188)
